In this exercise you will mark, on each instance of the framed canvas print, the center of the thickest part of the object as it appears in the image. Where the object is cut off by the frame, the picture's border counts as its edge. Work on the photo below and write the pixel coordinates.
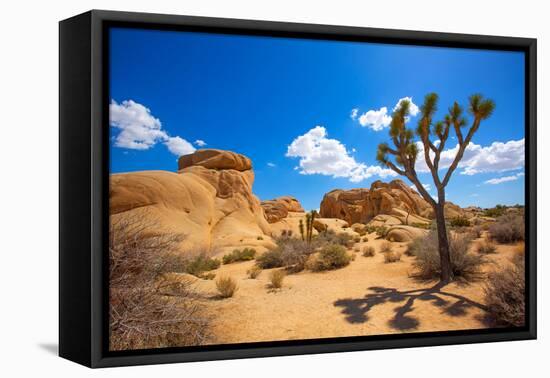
(233, 188)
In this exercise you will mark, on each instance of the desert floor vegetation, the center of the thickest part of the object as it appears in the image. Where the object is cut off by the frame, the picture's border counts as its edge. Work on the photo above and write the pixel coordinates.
(509, 228)
(254, 272)
(465, 265)
(236, 255)
(227, 286)
(146, 309)
(368, 251)
(276, 278)
(505, 293)
(330, 257)
(380, 304)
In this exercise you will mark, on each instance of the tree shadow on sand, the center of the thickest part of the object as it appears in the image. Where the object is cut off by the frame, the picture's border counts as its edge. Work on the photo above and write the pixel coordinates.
(357, 310)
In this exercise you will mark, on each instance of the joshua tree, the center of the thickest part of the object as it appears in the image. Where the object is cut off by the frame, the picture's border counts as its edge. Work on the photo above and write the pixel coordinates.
(301, 227)
(310, 218)
(405, 153)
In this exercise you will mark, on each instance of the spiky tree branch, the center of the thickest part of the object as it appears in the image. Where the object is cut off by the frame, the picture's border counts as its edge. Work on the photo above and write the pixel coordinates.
(405, 150)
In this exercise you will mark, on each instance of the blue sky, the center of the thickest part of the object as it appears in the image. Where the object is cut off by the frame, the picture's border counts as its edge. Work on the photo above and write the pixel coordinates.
(287, 104)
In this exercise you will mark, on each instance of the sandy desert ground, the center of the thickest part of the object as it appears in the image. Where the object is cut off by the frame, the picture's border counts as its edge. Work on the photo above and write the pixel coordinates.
(368, 297)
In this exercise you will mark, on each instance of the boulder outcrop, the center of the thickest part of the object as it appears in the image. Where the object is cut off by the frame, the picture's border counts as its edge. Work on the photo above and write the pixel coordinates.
(210, 200)
(278, 208)
(394, 198)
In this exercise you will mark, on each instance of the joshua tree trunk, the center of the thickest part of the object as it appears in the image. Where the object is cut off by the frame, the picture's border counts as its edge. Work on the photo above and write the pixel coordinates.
(443, 241)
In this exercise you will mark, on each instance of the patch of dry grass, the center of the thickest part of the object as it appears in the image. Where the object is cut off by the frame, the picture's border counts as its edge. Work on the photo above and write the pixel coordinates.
(227, 286)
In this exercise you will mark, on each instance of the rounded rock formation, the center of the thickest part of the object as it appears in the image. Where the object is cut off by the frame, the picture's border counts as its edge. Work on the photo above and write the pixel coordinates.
(278, 208)
(210, 201)
(394, 198)
(215, 159)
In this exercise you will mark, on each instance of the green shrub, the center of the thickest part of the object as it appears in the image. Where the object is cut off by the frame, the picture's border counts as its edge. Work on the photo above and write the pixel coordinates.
(392, 256)
(381, 232)
(464, 264)
(254, 272)
(495, 212)
(424, 226)
(368, 251)
(245, 254)
(207, 276)
(270, 259)
(201, 263)
(226, 286)
(486, 247)
(260, 238)
(508, 229)
(505, 294)
(460, 222)
(276, 278)
(331, 257)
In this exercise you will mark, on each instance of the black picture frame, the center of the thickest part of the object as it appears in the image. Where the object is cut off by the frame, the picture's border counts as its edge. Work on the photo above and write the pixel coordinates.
(83, 182)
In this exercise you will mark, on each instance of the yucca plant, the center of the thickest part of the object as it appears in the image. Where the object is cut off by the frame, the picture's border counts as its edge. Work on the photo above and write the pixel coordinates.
(401, 157)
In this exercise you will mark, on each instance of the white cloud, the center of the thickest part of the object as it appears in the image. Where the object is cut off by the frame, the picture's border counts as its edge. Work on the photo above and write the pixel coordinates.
(271, 165)
(321, 155)
(179, 146)
(428, 187)
(140, 130)
(375, 119)
(500, 180)
(379, 119)
(497, 157)
(413, 108)
(200, 143)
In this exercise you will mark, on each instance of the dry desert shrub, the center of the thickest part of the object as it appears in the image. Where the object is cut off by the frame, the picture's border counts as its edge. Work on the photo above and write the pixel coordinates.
(254, 272)
(505, 294)
(392, 256)
(331, 257)
(486, 247)
(226, 286)
(276, 278)
(464, 264)
(368, 251)
(413, 246)
(385, 247)
(476, 231)
(331, 237)
(508, 228)
(140, 314)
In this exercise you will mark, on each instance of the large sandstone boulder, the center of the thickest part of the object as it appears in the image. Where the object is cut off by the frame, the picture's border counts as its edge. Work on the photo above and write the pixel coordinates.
(401, 233)
(210, 200)
(215, 159)
(278, 208)
(395, 198)
(361, 205)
